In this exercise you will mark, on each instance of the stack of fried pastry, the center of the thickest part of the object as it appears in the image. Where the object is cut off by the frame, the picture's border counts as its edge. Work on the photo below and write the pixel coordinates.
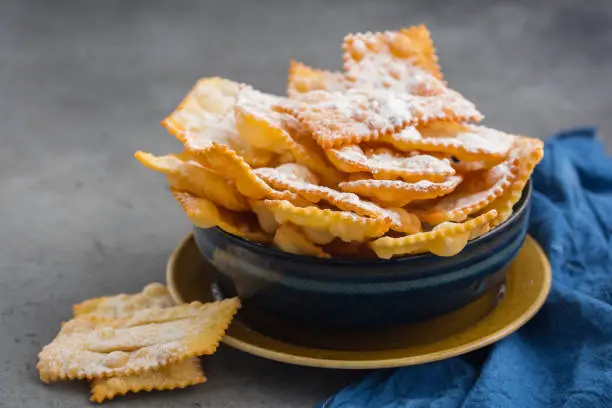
(139, 342)
(383, 158)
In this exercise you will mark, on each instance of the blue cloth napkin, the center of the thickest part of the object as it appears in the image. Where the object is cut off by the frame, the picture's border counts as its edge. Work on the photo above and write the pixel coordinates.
(563, 356)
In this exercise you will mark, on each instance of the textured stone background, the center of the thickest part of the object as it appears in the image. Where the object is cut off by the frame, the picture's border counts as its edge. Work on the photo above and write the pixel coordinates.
(83, 85)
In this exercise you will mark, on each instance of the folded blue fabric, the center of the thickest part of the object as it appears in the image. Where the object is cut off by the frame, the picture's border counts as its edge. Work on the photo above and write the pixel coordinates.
(563, 356)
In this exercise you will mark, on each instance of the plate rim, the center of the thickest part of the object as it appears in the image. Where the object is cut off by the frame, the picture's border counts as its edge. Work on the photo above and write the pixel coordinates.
(322, 362)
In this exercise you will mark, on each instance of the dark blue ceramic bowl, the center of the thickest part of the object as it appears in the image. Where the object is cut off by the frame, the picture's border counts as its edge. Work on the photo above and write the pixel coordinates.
(348, 293)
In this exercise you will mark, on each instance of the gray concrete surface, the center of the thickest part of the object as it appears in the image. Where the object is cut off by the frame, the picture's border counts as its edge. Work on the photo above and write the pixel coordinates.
(83, 85)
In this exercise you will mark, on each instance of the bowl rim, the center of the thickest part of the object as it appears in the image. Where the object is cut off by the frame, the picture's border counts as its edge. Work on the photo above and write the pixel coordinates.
(270, 251)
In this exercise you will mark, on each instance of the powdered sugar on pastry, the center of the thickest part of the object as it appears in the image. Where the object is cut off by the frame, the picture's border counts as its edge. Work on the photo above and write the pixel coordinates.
(396, 193)
(265, 128)
(386, 164)
(412, 46)
(465, 142)
(205, 118)
(358, 115)
(154, 295)
(297, 180)
(477, 190)
(88, 347)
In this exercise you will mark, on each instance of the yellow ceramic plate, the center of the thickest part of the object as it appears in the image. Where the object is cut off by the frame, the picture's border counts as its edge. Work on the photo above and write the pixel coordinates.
(459, 332)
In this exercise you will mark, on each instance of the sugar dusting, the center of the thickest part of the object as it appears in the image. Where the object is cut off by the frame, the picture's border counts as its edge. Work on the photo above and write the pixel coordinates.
(386, 71)
(385, 162)
(154, 295)
(471, 138)
(417, 164)
(87, 347)
(337, 116)
(477, 191)
(344, 201)
(261, 105)
(419, 186)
